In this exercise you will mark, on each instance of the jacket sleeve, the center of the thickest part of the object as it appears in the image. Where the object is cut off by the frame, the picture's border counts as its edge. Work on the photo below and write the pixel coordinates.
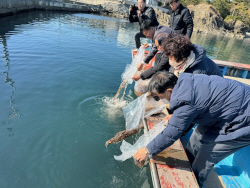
(149, 14)
(159, 66)
(188, 20)
(151, 54)
(133, 18)
(179, 122)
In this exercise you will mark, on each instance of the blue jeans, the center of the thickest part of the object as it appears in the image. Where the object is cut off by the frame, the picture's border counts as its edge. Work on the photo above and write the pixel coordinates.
(203, 155)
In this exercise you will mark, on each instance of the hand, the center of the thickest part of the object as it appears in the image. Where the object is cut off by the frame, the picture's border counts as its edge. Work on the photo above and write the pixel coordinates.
(141, 154)
(130, 9)
(145, 45)
(138, 12)
(139, 66)
(136, 77)
(167, 118)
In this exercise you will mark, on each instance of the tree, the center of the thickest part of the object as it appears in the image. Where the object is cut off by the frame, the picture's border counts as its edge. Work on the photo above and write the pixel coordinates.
(223, 6)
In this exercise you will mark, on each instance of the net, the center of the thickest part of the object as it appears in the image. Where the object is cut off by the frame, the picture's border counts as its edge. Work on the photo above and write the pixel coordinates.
(128, 150)
(129, 72)
(131, 69)
(141, 86)
(134, 112)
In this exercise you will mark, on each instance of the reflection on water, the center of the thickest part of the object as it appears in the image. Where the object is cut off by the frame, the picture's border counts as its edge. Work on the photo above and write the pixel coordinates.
(13, 111)
(57, 69)
(224, 48)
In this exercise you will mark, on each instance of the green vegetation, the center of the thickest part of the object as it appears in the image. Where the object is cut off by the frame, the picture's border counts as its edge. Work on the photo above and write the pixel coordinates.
(229, 10)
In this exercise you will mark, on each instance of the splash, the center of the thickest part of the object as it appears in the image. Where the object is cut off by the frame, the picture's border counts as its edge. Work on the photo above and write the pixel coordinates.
(129, 72)
(113, 108)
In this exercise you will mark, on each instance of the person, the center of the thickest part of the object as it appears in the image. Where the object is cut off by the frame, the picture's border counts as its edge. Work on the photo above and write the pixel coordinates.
(187, 57)
(141, 14)
(180, 19)
(219, 106)
(157, 34)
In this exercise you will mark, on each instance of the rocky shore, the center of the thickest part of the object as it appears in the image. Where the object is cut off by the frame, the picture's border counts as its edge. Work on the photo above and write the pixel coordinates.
(206, 19)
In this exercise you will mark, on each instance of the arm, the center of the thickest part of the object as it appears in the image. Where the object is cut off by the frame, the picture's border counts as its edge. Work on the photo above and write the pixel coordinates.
(132, 15)
(149, 14)
(162, 65)
(151, 54)
(188, 20)
(133, 18)
(179, 122)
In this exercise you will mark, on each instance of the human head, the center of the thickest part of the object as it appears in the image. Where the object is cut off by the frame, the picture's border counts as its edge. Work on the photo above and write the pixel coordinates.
(162, 84)
(174, 4)
(148, 28)
(141, 4)
(159, 40)
(177, 48)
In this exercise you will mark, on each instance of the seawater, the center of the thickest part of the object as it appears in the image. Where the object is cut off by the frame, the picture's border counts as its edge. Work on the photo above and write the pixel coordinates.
(59, 72)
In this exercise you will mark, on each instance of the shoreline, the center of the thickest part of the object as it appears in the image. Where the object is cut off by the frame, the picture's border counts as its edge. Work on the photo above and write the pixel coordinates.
(109, 8)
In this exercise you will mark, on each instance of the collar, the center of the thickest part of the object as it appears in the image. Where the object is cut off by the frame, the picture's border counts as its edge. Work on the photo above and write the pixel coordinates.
(182, 67)
(178, 10)
(144, 10)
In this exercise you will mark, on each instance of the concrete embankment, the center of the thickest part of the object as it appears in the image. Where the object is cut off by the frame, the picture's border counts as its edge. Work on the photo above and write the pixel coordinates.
(8, 7)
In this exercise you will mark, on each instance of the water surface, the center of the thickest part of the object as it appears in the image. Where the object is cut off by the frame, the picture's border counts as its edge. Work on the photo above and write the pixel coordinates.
(55, 70)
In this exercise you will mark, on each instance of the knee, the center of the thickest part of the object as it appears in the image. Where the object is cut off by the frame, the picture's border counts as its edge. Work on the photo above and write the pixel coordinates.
(201, 170)
(137, 35)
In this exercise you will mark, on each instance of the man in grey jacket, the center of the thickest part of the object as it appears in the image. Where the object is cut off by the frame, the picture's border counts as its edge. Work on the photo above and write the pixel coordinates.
(220, 107)
(157, 34)
(141, 14)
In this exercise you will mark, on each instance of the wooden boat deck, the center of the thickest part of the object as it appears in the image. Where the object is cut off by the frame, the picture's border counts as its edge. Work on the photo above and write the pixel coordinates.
(172, 164)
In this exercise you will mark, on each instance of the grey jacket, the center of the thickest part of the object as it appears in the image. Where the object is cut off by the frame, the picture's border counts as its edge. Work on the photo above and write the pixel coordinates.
(154, 50)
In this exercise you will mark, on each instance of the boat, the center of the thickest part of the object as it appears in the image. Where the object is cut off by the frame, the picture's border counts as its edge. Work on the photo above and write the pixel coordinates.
(171, 167)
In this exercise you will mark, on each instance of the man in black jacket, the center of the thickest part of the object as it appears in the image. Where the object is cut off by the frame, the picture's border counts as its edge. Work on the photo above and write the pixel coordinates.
(180, 20)
(141, 14)
(157, 34)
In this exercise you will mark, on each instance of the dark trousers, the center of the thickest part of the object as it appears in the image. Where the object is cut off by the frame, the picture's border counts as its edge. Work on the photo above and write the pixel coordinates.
(137, 39)
(203, 154)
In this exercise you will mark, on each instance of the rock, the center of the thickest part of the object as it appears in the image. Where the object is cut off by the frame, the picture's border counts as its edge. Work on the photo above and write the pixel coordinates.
(229, 24)
(240, 28)
(116, 9)
(206, 18)
(162, 17)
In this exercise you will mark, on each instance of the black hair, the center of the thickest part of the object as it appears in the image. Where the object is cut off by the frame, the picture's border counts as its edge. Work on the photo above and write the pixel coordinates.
(171, 1)
(160, 37)
(161, 81)
(147, 24)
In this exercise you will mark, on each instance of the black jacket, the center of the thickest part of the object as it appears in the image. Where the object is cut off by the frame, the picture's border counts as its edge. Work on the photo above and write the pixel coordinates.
(181, 21)
(162, 63)
(148, 13)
